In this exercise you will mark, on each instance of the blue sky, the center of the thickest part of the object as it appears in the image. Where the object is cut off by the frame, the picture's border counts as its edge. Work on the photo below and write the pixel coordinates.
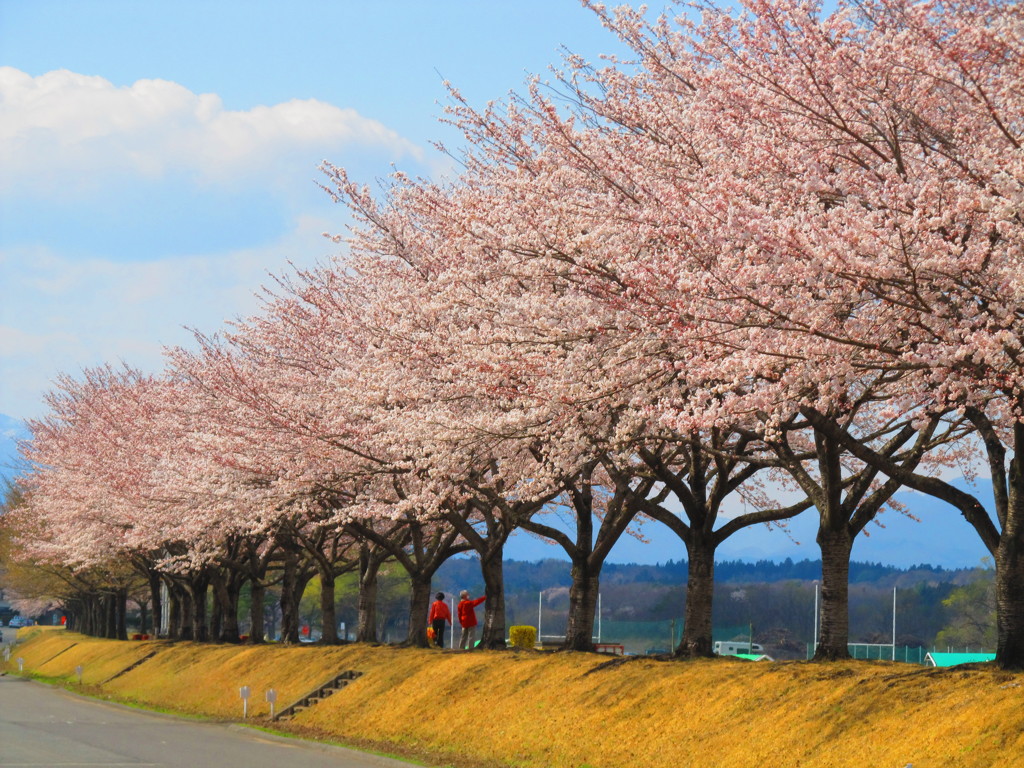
(159, 158)
(158, 161)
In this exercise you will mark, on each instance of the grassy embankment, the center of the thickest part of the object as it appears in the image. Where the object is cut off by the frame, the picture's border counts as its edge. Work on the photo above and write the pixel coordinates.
(570, 710)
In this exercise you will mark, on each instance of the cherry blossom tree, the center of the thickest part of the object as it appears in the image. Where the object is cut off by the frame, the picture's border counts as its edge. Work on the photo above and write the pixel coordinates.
(876, 158)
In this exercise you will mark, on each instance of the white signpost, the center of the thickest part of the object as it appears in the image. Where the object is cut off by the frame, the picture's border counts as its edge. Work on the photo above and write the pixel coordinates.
(21, 664)
(272, 700)
(245, 692)
(78, 671)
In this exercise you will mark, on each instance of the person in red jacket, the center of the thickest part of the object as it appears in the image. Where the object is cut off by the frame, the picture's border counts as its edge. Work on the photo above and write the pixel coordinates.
(467, 619)
(439, 614)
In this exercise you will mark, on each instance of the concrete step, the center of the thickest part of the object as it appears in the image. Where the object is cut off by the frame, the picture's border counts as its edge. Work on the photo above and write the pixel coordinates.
(318, 694)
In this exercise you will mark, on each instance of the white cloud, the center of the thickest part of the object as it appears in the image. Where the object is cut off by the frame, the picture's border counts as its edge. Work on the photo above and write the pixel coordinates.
(64, 133)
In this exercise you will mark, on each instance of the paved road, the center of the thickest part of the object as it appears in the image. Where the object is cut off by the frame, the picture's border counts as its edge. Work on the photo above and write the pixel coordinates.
(45, 726)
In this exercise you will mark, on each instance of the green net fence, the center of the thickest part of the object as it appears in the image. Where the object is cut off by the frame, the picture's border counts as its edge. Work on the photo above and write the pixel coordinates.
(642, 637)
(652, 637)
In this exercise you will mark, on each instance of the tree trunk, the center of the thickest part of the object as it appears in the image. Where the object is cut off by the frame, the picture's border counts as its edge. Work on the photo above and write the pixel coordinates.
(700, 592)
(273, 633)
(90, 615)
(226, 587)
(419, 609)
(229, 632)
(329, 619)
(491, 567)
(176, 613)
(188, 608)
(1009, 584)
(157, 603)
(292, 586)
(84, 623)
(73, 610)
(86, 627)
(1009, 561)
(121, 614)
(198, 586)
(105, 616)
(368, 569)
(257, 631)
(834, 635)
(579, 631)
(99, 616)
(289, 607)
(110, 616)
(216, 615)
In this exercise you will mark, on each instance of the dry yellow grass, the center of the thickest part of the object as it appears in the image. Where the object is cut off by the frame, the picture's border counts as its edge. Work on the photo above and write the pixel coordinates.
(569, 710)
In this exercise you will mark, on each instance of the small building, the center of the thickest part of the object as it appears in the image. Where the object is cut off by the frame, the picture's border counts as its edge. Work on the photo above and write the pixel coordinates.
(952, 659)
(736, 647)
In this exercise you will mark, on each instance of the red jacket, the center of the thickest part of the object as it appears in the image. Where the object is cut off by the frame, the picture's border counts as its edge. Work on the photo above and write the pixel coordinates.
(467, 616)
(439, 610)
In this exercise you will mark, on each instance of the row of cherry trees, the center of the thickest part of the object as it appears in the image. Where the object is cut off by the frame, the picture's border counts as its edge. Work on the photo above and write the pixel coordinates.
(772, 265)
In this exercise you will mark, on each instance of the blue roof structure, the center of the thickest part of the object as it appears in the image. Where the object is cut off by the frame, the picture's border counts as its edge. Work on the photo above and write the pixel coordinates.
(952, 659)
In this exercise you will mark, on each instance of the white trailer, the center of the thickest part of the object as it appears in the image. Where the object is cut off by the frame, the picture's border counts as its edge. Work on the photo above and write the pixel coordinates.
(733, 647)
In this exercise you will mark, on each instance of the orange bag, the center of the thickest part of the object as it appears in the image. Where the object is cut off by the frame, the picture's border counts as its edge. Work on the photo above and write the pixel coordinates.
(430, 634)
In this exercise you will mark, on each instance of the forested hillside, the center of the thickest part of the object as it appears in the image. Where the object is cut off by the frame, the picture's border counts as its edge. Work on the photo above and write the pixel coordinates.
(527, 576)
